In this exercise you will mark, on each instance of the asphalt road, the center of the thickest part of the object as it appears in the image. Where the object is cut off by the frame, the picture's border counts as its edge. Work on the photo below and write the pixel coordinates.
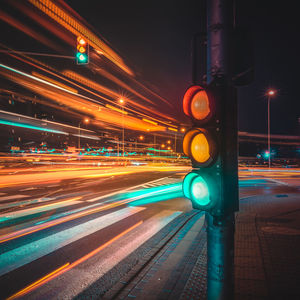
(63, 229)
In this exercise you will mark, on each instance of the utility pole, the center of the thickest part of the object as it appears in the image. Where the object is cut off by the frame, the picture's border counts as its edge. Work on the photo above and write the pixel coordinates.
(220, 229)
(212, 185)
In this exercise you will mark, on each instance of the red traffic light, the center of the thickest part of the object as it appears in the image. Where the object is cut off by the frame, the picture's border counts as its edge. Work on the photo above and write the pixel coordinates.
(81, 41)
(198, 104)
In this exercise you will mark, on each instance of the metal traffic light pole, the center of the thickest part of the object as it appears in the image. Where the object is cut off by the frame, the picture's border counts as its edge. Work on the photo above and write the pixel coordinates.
(220, 229)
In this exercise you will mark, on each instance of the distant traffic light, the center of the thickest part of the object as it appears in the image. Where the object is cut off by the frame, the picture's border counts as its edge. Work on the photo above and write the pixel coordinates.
(82, 55)
(211, 145)
(266, 154)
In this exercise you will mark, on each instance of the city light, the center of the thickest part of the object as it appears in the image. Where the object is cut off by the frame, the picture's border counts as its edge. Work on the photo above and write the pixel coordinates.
(271, 92)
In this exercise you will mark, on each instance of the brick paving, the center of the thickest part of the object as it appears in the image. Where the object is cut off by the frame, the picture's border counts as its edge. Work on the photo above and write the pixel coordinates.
(267, 256)
(267, 248)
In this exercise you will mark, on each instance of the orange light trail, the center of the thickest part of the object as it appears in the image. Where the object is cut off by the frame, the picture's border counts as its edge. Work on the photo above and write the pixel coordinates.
(30, 230)
(38, 282)
(69, 266)
(74, 101)
(68, 22)
(54, 82)
(104, 90)
(117, 109)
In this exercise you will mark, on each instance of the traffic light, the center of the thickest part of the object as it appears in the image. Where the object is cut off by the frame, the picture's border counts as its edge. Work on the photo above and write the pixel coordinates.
(82, 55)
(211, 145)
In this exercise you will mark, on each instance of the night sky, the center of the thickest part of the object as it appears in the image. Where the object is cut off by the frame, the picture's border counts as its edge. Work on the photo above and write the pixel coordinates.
(155, 36)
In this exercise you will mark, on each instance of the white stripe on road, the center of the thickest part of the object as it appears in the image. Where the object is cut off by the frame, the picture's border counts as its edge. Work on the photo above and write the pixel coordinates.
(25, 202)
(13, 197)
(38, 209)
(125, 190)
(29, 189)
(29, 252)
(76, 278)
(278, 181)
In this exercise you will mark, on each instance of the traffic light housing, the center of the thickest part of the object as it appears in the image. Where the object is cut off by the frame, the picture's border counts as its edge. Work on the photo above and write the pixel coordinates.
(211, 144)
(82, 54)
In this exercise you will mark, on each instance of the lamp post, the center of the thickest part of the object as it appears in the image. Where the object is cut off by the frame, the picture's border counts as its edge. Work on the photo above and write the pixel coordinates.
(86, 120)
(163, 146)
(270, 94)
(122, 103)
(141, 138)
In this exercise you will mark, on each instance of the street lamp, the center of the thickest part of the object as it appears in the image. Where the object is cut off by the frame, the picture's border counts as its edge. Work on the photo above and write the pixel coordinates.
(270, 94)
(86, 120)
(122, 103)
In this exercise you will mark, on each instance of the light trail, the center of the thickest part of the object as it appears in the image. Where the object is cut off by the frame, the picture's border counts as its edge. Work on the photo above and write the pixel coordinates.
(18, 179)
(163, 193)
(37, 79)
(30, 211)
(23, 125)
(68, 266)
(79, 213)
(78, 29)
(37, 283)
(78, 102)
(55, 82)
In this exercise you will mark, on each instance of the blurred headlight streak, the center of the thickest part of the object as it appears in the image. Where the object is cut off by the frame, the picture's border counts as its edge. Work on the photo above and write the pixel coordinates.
(35, 78)
(69, 266)
(76, 102)
(56, 83)
(149, 121)
(4, 122)
(117, 109)
(78, 29)
(91, 84)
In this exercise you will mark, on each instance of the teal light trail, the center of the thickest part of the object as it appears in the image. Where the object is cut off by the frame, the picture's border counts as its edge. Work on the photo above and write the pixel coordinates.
(23, 125)
(156, 194)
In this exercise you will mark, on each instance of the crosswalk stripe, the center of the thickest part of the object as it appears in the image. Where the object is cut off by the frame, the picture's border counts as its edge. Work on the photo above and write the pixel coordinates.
(11, 197)
(33, 210)
(146, 231)
(29, 252)
(125, 190)
(30, 189)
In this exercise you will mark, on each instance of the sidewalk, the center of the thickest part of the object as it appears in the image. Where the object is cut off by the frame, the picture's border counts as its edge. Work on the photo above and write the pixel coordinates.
(267, 256)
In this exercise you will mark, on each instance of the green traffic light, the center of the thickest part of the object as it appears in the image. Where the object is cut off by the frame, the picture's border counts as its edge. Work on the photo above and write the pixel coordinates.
(187, 184)
(196, 189)
(267, 154)
(82, 58)
(200, 191)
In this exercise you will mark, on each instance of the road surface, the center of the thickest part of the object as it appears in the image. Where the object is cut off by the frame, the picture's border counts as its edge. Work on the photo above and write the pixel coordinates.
(64, 228)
